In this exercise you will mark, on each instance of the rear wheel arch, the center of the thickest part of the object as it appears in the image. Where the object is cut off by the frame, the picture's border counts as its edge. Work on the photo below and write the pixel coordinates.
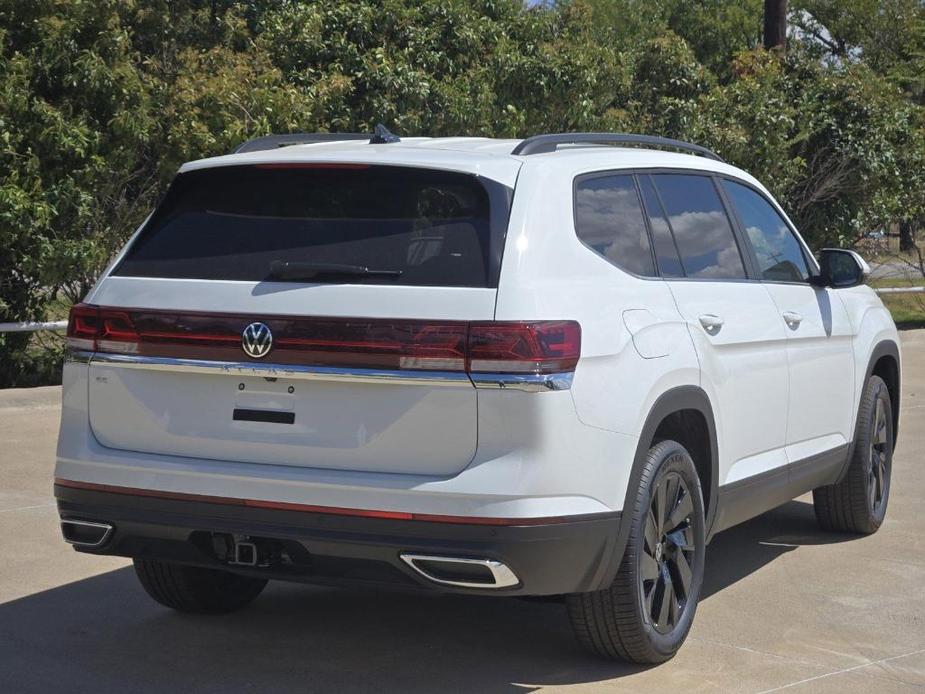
(683, 414)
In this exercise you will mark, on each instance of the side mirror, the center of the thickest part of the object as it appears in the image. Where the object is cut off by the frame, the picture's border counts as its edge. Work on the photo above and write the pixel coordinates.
(840, 268)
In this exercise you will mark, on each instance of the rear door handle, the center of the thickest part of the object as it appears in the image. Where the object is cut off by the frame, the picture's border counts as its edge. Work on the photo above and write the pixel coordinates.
(792, 319)
(711, 323)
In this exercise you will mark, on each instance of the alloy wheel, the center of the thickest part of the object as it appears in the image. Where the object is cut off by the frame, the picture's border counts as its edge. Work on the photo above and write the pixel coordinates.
(879, 458)
(668, 554)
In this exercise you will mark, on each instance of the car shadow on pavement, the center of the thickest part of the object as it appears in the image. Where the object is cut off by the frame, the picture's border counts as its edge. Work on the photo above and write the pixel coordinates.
(103, 634)
(740, 551)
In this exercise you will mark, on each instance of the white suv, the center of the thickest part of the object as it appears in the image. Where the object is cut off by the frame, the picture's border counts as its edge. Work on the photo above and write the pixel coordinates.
(554, 366)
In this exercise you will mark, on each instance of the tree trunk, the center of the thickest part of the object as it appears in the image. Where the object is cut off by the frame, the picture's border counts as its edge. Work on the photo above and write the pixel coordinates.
(775, 25)
(907, 235)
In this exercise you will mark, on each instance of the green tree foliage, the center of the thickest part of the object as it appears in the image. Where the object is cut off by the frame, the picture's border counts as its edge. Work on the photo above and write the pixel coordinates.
(101, 101)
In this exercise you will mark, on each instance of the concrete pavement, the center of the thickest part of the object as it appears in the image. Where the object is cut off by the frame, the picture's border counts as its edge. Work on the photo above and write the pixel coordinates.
(786, 607)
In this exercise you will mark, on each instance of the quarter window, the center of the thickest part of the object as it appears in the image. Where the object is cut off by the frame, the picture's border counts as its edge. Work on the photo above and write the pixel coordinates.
(701, 227)
(609, 219)
(780, 256)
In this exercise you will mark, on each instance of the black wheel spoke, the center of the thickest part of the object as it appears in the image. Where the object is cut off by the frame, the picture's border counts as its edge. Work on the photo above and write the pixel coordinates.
(661, 503)
(878, 472)
(880, 424)
(672, 492)
(681, 539)
(683, 574)
(664, 607)
(674, 612)
(650, 598)
(681, 511)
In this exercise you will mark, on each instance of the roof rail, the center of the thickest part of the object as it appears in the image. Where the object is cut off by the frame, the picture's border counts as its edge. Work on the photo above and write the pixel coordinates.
(274, 141)
(541, 144)
(380, 136)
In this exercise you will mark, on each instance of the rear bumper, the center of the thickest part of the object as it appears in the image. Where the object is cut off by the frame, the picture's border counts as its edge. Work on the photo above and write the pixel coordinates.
(548, 557)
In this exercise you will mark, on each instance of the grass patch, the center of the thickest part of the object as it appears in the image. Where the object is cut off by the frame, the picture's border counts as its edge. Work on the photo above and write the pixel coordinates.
(908, 309)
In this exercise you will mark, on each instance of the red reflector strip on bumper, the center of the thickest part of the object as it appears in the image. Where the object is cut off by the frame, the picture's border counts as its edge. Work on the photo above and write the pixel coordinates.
(329, 510)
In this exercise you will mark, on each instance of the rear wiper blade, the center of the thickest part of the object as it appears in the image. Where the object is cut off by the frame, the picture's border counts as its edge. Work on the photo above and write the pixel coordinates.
(294, 270)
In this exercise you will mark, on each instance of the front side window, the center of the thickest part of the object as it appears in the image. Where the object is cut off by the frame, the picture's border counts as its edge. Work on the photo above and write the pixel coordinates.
(780, 257)
(700, 226)
(609, 220)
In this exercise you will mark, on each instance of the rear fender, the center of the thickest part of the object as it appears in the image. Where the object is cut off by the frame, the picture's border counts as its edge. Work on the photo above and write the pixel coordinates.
(674, 400)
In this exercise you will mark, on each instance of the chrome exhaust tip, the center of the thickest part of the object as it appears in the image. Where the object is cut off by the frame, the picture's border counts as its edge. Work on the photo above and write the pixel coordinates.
(85, 533)
(462, 572)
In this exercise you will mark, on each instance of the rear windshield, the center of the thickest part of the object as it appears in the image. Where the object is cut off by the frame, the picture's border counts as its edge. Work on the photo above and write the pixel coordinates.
(332, 223)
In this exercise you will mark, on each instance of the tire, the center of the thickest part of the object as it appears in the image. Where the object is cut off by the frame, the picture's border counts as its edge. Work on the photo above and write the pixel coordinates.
(194, 589)
(858, 503)
(634, 619)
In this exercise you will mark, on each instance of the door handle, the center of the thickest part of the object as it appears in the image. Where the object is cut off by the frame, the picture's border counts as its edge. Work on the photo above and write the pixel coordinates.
(711, 323)
(792, 319)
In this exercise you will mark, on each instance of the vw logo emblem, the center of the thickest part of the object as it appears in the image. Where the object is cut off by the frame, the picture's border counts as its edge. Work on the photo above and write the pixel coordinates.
(256, 340)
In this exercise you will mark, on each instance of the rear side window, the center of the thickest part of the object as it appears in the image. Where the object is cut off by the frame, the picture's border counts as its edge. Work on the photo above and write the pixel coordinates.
(326, 224)
(609, 219)
(700, 225)
(780, 256)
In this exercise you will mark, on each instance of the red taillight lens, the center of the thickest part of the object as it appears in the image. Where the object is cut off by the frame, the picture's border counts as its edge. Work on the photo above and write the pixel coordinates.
(537, 348)
(376, 344)
(82, 326)
(100, 329)
(117, 333)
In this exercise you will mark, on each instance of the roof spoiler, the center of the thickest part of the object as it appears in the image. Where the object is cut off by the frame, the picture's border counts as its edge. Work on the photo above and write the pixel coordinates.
(381, 135)
(542, 144)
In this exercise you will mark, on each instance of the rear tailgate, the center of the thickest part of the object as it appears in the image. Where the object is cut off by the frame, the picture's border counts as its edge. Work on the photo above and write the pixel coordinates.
(359, 282)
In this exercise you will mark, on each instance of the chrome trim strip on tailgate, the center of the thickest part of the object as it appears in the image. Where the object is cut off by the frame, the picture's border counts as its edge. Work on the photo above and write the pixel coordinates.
(293, 371)
(530, 383)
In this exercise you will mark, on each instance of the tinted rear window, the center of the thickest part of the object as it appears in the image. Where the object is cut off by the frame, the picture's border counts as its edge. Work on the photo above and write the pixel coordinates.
(426, 227)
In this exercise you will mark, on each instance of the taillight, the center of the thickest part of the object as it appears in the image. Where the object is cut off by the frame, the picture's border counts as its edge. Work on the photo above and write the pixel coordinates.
(117, 333)
(82, 327)
(101, 329)
(543, 347)
(532, 348)
(373, 343)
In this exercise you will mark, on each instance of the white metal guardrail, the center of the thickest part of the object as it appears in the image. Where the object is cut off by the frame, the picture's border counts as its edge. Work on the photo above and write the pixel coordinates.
(900, 290)
(30, 327)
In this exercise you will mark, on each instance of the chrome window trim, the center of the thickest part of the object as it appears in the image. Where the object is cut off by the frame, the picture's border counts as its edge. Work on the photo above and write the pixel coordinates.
(527, 382)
